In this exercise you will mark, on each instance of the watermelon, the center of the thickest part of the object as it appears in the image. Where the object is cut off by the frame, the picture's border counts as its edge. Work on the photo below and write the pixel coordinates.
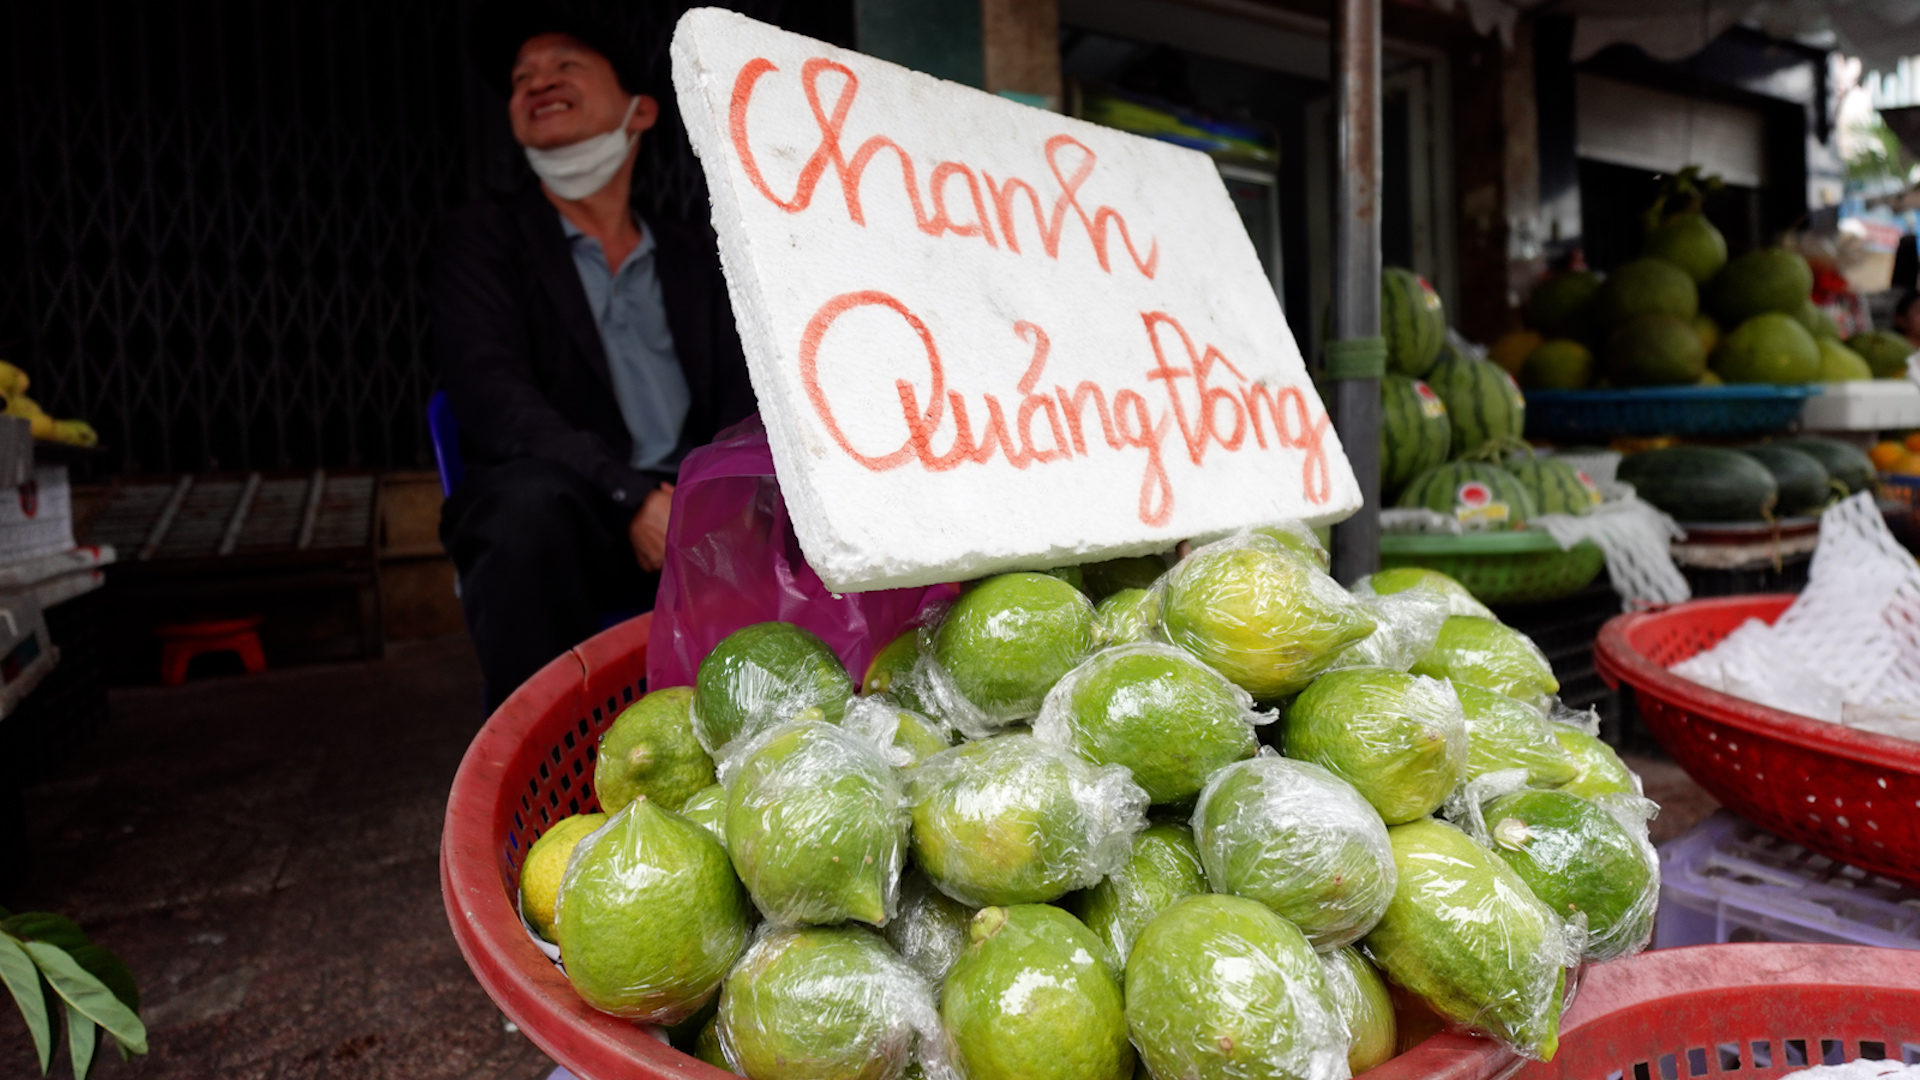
(1844, 462)
(1702, 483)
(1803, 481)
(1414, 433)
(1481, 497)
(1556, 487)
(1412, 320)
(1483, 401)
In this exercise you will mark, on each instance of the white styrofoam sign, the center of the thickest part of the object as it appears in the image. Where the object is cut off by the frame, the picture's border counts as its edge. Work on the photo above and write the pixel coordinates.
(985, 336)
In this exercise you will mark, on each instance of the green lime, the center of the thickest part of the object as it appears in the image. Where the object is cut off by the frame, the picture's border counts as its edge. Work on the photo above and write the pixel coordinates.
(1578, 857)
(1400, 578)
(650, 750)
(919, 736)
(814, 826)
(650, 916)
(1259, 614)
(1127, 616)
(1013, 820)
(891, 670)
(708, 809)
(1467, 936)
(823, 1003)
(931, 928)
(1485, 653)
(1399, 739)
(1506, 734)
(546, 864)
(1034, 997)
(1300, 840)
(1164, 866)
(1103, 579)
(1005, 643)
(1221, 988)
(707, 1046)
(1600, 770)
(1167, 717)
(1361, 996)
(764, 675)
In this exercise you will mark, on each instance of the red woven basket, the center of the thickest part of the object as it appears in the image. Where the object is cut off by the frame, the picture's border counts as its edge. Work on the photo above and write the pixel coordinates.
(1851, 795)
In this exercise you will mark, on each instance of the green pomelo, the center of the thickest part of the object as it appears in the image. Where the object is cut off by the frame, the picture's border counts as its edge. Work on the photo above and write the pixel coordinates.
(1558, 364)
(1298, 839)
(1600, 771)
(1844, 462)
(1261, 616)
(821, 1003)
(920, 737)
(1702, 483)
(1768, 348)
(1127, 616)
(650, 916)
(1884, 351)
(814, 826)
(1362, 999)
(1841, 364)
(650, 750)
(1708, 332)
(1399, 578)
(1164, 866)
(1655, 350)
(1689, 241)
(1577, 857)
(707, 1046)
(1300, 539)
(1506, 734)
(1012, 820)
(1484, 653)
(1170, 719)
(1561, 305)
(1414, 433)
(545, 866)
(1412, 320)
(1114, 575)
(708, 809)
(1803, 483)
(891, 668)
(1767, 280)
(1221, 988)
(763, 675)
(1006, 642)
(1711, 379)
(931, 929)
(1817, 321)
(1033, 998)
(1398, 739)
(1072, 575)
(1467, 936)
(1556, 486)
(1483, 402)
(1646, 286)
(1481, 496)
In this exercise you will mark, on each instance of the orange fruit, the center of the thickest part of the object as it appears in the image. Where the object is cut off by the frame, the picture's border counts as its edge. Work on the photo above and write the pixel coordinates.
(1885, 455)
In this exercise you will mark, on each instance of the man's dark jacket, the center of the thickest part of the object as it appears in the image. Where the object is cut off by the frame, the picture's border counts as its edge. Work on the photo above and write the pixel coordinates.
(521, 358)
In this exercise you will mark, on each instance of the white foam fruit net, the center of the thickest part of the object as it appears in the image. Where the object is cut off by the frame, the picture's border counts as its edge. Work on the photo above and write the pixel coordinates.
(1848, 649)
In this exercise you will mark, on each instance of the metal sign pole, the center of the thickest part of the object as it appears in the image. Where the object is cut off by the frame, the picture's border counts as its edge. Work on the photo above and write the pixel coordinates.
(1356, 355)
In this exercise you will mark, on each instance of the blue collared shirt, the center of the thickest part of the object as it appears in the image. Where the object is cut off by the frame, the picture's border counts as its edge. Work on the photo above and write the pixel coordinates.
(632, 318)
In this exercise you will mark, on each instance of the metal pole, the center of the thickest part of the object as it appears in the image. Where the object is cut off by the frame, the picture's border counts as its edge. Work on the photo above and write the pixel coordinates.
(1356, 269)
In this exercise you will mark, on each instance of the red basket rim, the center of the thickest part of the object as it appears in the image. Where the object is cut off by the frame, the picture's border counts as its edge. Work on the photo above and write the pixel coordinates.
(1619, 661)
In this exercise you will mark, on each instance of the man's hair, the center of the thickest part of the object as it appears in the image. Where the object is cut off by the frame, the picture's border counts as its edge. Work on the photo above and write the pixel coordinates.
(500, 27)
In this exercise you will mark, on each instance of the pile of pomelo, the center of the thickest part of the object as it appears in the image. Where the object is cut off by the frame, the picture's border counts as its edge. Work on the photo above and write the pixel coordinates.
(1129, 819)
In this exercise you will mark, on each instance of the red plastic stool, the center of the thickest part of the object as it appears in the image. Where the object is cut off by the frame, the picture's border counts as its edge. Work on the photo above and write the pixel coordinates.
(182, 641)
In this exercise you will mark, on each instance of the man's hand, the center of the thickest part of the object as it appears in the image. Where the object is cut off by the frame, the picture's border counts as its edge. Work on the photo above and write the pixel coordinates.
(648, 530)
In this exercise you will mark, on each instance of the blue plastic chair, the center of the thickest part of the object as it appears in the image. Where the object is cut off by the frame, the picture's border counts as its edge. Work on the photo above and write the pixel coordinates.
(443, 429)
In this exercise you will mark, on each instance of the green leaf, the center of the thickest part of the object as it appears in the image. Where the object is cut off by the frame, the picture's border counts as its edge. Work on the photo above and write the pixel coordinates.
(82, 1037)
(86, 993)
(112, 972)
(56, 930)
(18, 972)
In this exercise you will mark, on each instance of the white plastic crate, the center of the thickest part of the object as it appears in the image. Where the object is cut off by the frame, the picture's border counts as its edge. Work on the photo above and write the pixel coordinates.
(1867, 405)
(36, 518)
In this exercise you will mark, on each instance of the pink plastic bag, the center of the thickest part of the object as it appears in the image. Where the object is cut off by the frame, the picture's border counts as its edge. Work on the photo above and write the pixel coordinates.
(732, 561)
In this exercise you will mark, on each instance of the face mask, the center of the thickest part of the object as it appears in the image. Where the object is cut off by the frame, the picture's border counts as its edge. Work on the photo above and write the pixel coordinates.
(580, 169)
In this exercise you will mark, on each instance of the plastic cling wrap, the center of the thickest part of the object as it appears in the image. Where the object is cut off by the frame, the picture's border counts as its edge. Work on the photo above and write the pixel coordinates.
(828, 1002)
(931, 928)
(1221, 988)
(1000, 648)
(1013, 820)
(1299, 538)
(1127, 616)
(761, 676)
(708, 809)
(1400, 740)
(815, 826)
(1164, 866)
(1035, 997)
(1466, 935)
(1167, 717)
(1484, 653)
(649, 916)
(908, 736)
(1299, 839)
(1600, 772)
(1400, 579)
(1362, 998)
(1259, 614)
(1506, 734)
(1407, 625)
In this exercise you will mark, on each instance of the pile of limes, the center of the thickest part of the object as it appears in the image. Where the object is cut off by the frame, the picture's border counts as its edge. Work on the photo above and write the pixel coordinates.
(1179, 821)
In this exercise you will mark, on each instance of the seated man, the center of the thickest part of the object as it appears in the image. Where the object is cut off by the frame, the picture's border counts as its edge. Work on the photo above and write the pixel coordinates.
(584, 352)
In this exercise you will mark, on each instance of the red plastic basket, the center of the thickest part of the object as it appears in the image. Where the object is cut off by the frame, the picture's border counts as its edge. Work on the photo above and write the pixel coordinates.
(1849, 794)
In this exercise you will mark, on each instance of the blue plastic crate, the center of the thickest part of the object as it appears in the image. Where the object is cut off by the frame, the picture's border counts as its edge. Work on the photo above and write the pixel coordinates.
(1595, 416)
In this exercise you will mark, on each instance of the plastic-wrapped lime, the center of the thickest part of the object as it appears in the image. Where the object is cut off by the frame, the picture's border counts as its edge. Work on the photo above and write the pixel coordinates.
(1127, 616)
(1400, 740)
(1003, 645)
(1600, 771)
(1484, 653)
(650, 750)
(1167, 717)
(763, 675)
(1361, 996)
(891, 669)
(1577, 857)
(930, 930)
(1299, 538)
(1401, 578)
(708, 809)
(1259, 614)
(1506, 734)
(1164, 866)
(546, 864)
(1034, 996)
